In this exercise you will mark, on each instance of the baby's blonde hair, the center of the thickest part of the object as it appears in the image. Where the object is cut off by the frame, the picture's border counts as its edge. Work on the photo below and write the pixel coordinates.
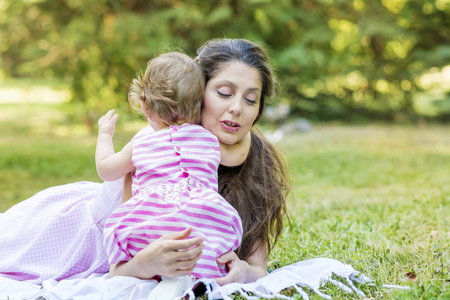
(172, 86)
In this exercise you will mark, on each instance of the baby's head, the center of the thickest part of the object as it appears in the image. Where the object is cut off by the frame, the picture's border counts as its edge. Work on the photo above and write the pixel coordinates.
(172, 86)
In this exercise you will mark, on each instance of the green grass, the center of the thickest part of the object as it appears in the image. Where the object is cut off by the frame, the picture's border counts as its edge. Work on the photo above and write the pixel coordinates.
(376, 197)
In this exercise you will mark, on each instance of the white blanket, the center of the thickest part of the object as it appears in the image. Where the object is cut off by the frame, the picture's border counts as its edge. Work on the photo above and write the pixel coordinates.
(311, 273)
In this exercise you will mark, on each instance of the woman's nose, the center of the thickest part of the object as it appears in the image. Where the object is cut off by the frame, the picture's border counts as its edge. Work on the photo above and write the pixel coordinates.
(235, 106)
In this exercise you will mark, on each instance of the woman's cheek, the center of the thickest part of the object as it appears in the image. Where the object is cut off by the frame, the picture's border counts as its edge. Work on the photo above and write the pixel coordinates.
(207, 119)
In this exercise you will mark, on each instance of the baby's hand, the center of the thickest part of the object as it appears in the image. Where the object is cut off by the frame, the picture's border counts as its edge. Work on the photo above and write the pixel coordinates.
(107, 123)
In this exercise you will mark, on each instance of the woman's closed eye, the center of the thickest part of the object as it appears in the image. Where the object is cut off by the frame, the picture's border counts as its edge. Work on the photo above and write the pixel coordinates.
(222, 94)
(251, 101)
(250, 98)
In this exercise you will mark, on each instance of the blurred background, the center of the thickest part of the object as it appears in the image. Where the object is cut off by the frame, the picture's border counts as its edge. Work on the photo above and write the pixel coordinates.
(337, 60)
(341, 65)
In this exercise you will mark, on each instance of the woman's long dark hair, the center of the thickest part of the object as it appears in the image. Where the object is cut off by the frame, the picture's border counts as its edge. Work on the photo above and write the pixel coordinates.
(258, 188)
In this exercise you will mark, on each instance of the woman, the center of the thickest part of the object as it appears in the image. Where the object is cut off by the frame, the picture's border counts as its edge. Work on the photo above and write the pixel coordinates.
(239, 80)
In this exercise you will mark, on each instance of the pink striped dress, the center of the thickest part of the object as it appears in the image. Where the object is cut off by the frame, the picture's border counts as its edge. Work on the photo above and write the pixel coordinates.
(175, 186)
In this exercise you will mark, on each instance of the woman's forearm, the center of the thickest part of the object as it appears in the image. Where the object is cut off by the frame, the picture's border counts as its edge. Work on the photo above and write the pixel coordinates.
(257, 264)
(171, 255)
(243, 271)
(128, 268)
(255, 272)
(127, 184)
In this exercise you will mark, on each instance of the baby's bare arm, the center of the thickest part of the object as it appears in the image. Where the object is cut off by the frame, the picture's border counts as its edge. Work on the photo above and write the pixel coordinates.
(111, 166)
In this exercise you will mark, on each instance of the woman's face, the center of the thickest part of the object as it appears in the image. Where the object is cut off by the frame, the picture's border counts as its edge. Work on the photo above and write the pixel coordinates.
(231, 101)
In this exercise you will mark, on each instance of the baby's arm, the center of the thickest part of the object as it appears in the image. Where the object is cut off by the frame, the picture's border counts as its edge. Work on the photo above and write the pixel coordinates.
(111, 166)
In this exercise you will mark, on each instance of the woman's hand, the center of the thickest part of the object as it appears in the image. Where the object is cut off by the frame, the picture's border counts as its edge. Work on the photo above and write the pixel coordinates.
(236, 268)
(167, 256)
(243, 271)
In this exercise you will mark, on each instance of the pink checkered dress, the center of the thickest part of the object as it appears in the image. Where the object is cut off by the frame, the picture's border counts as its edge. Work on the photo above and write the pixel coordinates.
(175, 186)
(57, 233)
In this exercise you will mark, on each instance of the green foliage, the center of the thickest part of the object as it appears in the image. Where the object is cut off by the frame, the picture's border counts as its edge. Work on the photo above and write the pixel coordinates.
(335, 58)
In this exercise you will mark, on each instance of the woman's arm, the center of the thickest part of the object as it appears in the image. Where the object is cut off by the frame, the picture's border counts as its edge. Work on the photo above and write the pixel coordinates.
(164, 257)
(127, 193)
(243, 271)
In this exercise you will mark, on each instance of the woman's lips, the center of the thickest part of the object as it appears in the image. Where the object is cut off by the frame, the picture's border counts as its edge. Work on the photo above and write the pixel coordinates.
(230, 125)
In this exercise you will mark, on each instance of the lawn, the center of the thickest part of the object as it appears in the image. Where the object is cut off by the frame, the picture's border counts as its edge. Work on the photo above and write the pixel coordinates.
(374, 196)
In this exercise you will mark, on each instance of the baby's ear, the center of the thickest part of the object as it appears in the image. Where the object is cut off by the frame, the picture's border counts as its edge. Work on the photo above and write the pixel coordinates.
(144, 108)
(142, 103)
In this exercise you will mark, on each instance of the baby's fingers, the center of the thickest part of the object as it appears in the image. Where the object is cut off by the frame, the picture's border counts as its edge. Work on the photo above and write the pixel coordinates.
(106, 117)
(111, 116)
(107, 123)
(109, 113)
(113, 119)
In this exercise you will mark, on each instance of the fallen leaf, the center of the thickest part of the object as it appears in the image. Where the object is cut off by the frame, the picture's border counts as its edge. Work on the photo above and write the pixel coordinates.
(411, 276)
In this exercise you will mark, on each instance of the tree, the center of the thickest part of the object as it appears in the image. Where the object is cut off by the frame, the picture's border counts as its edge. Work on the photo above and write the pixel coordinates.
(335, 58)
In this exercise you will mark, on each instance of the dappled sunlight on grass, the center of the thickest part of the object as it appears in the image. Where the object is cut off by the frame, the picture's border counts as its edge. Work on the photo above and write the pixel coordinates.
(31, 91)
(32, 119)
(42, 95)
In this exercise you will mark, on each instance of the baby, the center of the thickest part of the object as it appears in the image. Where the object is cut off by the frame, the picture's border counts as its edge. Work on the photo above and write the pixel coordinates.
(173, 164)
